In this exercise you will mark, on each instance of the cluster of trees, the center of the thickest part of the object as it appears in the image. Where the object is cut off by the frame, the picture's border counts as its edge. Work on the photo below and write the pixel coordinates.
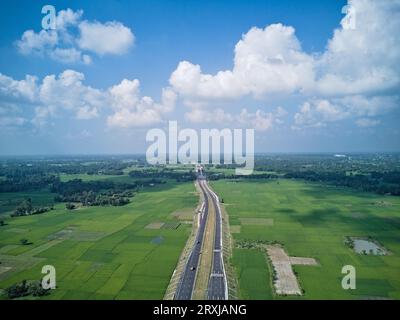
(164, 173)
(91, 198)
(25, 174)
(108, 165)
(218, 176)
(380, 183)
(26, 288)
(93, 193)
(22, 181)
(25, 208)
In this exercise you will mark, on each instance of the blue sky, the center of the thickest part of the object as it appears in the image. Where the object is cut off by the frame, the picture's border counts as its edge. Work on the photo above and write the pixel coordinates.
(308, 89)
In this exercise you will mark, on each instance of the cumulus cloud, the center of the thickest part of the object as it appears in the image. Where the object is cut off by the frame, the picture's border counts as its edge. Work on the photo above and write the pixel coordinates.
(266, 60)
(320, 112)
(133, 110)
(317, 113)
(259, 120)
(11, 89)
(357, 74)
(32, 42)
(74, 39)
(66, 92)
(355, 78)
(363, 59)
(271, 60)
(108, 38)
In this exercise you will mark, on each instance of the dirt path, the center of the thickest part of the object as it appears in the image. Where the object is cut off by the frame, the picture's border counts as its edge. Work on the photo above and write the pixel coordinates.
(285, 280)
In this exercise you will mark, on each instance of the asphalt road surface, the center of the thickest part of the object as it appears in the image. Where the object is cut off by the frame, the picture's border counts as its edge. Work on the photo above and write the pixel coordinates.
(217, 285)
(187, 281)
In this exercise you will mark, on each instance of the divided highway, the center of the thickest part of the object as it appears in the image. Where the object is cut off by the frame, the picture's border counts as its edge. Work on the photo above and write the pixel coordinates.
(217, 285)
(188, 278)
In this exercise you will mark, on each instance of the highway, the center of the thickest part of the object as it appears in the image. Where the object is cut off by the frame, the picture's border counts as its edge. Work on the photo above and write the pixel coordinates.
(186, 283)
(217, 284)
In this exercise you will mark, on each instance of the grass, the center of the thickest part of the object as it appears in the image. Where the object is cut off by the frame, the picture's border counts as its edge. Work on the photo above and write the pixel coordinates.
(9, 200)
(253, 274)
(312, 220)
(101, 252)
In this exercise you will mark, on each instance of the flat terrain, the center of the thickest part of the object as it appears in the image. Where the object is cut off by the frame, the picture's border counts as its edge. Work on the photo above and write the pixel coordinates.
(9, 200)
(311, 221)
(101, 252)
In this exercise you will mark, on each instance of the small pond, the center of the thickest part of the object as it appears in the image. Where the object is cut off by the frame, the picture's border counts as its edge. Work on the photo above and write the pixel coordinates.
(368, 247)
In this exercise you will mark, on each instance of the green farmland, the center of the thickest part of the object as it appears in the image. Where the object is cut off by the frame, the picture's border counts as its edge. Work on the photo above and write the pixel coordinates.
(100, 252)
(312, 220)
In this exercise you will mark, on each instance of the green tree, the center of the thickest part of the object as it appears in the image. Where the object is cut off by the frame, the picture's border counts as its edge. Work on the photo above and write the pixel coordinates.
(25, 242)
(70, 206)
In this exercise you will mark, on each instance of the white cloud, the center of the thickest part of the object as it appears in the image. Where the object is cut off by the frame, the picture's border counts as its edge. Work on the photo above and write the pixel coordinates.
(320, 112)
(68, 17)
(13, 89)
(38, 43)
(266, 60)
(70, 55)
(260, 120)
(67, 93)
(271, 60)
(133, 110)
(370, 106)
(74, 38)
(51, 97)
(358, 73)
(363, 60)
(108, 38)
(316, 113)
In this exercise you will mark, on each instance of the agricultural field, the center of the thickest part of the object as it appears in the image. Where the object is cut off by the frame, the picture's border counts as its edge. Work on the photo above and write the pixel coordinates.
(312, 220)
(99, 252)
(9, 200)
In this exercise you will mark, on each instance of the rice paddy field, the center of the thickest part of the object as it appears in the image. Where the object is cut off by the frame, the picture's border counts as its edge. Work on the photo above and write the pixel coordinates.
(100, 252)
(312, 220)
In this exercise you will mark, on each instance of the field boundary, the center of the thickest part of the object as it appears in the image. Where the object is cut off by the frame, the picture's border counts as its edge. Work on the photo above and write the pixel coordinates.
(228, 244)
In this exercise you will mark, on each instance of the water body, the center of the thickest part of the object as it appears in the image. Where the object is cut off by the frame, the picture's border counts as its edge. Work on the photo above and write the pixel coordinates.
(369, 247)
(157, 240)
